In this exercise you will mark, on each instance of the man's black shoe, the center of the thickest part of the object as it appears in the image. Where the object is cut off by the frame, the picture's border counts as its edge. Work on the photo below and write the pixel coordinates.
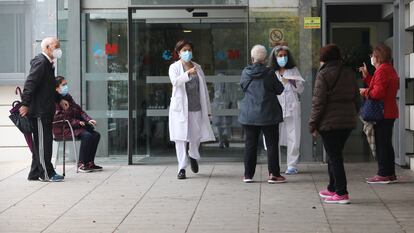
(194, 165)
(181, 175)
(33, 179)
(227, 143)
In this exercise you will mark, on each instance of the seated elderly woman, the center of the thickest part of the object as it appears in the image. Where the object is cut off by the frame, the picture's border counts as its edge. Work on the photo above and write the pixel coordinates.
(260, 111)
(83, 127)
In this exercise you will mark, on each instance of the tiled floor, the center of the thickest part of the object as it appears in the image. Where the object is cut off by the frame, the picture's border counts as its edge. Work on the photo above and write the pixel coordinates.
(149, 198)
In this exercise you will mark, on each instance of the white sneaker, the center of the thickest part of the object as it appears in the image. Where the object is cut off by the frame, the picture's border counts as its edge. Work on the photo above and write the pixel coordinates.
(291, 171)
(247, 180)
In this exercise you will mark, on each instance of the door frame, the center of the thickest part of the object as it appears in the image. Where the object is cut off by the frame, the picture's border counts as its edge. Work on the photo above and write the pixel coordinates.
(399, 64)
(131, 10)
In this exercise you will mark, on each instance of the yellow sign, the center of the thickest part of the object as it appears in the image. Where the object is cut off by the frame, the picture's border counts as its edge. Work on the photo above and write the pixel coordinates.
(312, 23)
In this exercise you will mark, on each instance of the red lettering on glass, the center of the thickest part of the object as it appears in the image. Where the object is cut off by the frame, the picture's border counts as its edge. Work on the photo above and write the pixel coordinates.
(175, 55)
(111, 49)
(233, 54)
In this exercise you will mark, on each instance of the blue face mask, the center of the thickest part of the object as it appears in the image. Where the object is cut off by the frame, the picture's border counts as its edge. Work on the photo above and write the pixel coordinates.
(64, 90)
(186, 56)
(282, 61)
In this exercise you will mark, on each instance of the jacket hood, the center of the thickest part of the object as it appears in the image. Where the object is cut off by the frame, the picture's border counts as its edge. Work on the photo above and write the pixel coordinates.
(256, 70)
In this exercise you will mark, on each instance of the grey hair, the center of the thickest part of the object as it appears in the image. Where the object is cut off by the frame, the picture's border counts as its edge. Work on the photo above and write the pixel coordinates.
(48, 41)
(280, 47)
(258, 53)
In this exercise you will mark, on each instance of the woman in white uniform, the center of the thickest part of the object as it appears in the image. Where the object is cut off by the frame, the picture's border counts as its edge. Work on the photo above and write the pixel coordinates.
(189, 108)
(286, 71)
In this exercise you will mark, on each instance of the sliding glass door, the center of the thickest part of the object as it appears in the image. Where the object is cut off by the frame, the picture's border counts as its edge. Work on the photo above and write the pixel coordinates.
(220, 37)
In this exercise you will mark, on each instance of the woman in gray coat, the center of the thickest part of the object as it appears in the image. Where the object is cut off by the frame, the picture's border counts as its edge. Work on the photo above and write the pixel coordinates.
(260, 111)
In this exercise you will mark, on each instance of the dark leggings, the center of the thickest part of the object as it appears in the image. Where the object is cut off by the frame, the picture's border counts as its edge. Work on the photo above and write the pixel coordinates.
(385, 150)
(334, 142)
(89, 144)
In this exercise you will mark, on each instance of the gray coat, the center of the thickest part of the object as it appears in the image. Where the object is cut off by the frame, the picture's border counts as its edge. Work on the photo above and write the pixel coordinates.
(260, 105)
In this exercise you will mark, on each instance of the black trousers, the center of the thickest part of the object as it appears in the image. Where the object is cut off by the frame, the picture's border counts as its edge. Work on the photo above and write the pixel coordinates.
(89, 144)
(334, 142)
(41, 149)
(385, 151)
(271, 133)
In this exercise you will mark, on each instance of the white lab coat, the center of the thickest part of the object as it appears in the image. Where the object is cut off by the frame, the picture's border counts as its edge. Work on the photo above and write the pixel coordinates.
(289, 129)
(289, 99)
(178, 111)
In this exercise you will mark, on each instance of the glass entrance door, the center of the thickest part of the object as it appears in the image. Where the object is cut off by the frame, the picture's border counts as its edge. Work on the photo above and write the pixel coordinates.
(220, 37)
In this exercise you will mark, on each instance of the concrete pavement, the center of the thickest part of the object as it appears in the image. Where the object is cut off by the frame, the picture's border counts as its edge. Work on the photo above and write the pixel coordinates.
(149, 198)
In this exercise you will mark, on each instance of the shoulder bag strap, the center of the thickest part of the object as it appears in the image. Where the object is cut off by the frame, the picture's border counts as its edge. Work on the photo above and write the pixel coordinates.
(336, 80)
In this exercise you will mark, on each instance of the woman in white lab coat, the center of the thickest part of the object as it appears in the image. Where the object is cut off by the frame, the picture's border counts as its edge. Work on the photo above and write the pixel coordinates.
(286, 71)
(189, 108)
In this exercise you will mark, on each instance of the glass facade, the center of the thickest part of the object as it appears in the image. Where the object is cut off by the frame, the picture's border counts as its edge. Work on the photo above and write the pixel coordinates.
(125, 83)
(220, 47)
(189, 2)
(105, 77)
(222, 33)
(12, 40)
(119, 73)
(270, 24)
(222, 39)
(23, 25)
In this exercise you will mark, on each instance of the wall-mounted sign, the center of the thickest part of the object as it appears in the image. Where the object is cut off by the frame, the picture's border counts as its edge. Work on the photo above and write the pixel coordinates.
(312, 23)
(275, 36)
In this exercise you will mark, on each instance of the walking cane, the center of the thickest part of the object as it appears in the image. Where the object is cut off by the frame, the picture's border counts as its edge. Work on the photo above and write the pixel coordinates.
(64, 147)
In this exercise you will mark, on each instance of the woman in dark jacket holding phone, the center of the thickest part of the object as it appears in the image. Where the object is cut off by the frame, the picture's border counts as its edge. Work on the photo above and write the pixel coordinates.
(83, 127)
(260, 111)
(335, 106)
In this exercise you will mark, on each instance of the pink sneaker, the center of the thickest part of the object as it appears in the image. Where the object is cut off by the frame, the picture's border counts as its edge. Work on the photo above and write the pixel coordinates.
(338, 199)
(381, 180)
(326, 193)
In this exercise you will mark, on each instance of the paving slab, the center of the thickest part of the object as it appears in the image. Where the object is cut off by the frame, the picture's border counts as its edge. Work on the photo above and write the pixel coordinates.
(149, 198)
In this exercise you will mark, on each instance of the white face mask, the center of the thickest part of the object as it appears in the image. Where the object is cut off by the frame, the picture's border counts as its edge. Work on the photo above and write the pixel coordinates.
(57, 53)
(372, 61)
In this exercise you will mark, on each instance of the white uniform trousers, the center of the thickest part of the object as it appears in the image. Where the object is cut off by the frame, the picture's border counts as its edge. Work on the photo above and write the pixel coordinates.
(193, 138)
(290, 137)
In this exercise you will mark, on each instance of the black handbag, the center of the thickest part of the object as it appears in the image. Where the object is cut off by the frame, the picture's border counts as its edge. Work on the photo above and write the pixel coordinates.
(372, 110)
(22, 123)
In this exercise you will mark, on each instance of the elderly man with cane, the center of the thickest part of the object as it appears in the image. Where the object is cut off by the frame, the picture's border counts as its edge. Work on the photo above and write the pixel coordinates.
(38, 100)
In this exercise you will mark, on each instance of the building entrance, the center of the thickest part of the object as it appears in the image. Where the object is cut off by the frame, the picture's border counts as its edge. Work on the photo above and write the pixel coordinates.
(356, 34)
(220, 43)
